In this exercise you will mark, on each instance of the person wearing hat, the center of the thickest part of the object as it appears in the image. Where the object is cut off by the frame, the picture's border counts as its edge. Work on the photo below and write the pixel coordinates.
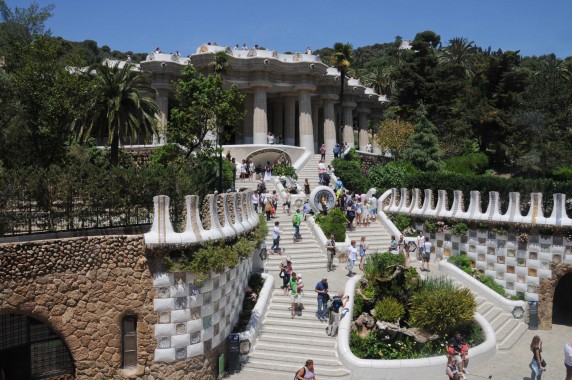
(323, 297)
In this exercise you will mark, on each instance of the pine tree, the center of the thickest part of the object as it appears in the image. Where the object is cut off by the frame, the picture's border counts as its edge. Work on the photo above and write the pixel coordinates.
(423, 148)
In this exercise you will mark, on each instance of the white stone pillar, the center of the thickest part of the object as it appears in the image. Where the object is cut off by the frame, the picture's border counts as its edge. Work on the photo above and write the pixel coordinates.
(316, 103)
(260, 119)
(278, 118)
(248, 118)
(329, 122)
(162, 99)
(376, 147)
(348, 122)
(362, 123)
(305, 120)
(290, 120)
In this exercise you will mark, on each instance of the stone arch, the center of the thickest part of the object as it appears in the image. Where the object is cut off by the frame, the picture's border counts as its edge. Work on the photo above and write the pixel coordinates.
(39, 344)
(546, 293)
(275, 156)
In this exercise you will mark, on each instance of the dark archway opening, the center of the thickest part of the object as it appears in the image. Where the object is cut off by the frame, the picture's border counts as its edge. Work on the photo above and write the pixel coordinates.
(562, 303)
(31, 350)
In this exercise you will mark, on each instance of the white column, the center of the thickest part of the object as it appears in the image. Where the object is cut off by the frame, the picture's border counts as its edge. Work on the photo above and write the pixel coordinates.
(260, 120)
(305, 123)
(290, 120)
(315, 113)
(162, 99)
(362, 122)
(376, 147)
(329, 122)
(278, 118)
(248, 118)
(348, 123)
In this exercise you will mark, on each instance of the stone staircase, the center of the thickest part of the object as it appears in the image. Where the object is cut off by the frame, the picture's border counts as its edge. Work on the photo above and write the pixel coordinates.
(310, 171)
(377, 237)
(285, 344)
(507, 329)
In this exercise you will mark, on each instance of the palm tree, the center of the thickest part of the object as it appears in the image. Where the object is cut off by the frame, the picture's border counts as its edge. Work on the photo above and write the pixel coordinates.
(117, 109)
(342, 60)
(381, 79)
(460, 52)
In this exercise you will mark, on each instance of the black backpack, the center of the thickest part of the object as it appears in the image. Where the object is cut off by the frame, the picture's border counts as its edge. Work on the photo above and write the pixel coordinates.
(296, 374)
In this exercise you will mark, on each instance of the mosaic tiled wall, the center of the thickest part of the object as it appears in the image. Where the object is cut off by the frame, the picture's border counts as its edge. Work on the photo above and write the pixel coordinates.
(193, 320)
(517, 266)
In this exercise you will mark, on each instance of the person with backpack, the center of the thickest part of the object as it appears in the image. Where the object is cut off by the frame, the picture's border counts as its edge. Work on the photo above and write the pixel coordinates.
(296, 220)
(306, 372)
(337, 302)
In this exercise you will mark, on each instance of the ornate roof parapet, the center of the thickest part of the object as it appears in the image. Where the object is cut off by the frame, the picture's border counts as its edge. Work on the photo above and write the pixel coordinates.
(398, 203)
(218, 211)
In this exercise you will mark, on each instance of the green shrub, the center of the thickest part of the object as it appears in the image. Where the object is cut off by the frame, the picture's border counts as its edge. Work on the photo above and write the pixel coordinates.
(563, 173)
(381, 265)
(430, 226)
(460, 261)
(441, 311)
(469, 164)
(437, 283)
(333, 223)
(284, 170)
(402, 222)
(389, 309)
(391, 175)
(490, 282)
(349, 171)
(459, 229)
(359, 302)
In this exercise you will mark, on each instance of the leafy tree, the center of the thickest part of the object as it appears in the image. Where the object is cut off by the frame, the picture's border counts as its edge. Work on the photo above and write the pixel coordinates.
(423, 150)
(117, 108)
(342, 60)
(203, 104)
(392, 134)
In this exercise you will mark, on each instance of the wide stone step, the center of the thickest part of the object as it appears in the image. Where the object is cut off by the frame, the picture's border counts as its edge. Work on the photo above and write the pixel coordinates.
(279, 367)
(297, 253)
(304, 266)
(514, 336)
(506, 329)
(325, 359)
(326, 342)
(492, 314)
(281, 313)
(311, 324)
(500, 321)
(264, 374)
(295, 348)
(302, 333)
(484, 307)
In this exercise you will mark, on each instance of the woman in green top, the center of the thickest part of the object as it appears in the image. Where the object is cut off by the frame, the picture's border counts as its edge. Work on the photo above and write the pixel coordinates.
(294, 294)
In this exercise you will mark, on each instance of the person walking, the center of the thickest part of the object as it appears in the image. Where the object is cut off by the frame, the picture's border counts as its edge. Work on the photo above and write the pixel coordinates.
(255, 201)
(306, 372)
(331, 252)
(285, 272)
(352, 256)
(323, 297)
(362, 250)
(307, 187)
(286, 204)
(323, 153)
(276, 238)
(296, 220)
(420, 246)
(294, 293)
(338, 302)
(536, 362)
(426, 255)
(568, 360)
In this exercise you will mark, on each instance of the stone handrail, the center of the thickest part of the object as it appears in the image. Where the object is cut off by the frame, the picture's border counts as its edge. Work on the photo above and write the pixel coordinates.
(237, 204)
(255, 323)
(481, 289)
(423, 205)
(430, 367)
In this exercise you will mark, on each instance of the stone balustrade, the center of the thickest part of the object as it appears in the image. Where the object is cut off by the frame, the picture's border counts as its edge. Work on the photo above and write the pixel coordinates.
(413, 203)
(223, 216)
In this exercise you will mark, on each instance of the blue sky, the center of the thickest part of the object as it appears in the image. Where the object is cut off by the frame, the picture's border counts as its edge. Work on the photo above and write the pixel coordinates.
(533, 27)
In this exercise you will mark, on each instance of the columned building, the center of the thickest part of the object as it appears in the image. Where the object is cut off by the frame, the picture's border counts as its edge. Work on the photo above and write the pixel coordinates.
(293, 96)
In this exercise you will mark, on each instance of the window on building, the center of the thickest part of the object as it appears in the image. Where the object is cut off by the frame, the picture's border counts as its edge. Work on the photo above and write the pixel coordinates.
(129, 341)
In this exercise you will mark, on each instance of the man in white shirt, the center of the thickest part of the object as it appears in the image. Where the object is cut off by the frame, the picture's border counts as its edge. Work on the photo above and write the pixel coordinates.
(420, 246)
(276, 236)
(426, 255)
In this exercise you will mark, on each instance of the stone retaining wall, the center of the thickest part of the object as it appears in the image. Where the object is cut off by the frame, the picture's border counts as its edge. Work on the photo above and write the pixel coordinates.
(83, 287)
